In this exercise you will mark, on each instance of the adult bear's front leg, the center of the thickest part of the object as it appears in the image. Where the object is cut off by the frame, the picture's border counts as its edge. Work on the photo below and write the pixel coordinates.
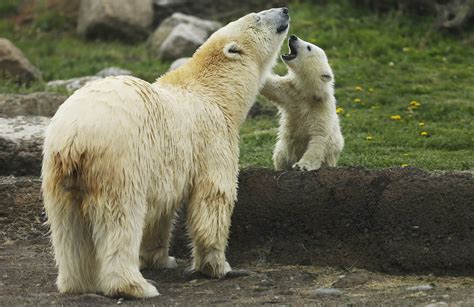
(208, 221)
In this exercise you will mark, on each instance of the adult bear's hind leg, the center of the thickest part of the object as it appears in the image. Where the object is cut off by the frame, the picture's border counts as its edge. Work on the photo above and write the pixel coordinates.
(72, 243)
(117, 232)
(208, 221)
(154, 250)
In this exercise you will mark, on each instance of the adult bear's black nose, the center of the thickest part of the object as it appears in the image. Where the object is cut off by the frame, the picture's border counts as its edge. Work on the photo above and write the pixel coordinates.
(284, 10)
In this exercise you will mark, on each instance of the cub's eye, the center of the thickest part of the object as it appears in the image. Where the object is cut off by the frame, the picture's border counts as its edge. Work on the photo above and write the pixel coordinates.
(257, 18)
(309, 48)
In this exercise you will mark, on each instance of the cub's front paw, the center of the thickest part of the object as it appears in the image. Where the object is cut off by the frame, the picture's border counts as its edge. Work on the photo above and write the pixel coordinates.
(305, 166)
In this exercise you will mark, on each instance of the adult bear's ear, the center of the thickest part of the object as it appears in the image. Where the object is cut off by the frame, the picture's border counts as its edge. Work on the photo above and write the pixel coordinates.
(326, 77)
(232, 50)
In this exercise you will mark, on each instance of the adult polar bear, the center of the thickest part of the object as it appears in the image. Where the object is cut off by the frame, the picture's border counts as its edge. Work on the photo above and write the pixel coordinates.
(121, 154)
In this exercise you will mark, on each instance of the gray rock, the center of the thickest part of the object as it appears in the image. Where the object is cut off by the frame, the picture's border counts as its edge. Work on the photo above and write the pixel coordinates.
(72, 84)
(21, 143)
(113, 71)
(182, 42)
(420, 288)
(179, 62)
(328, 291)
(76, 83)
(14, 64)
(122, 19)
(35, 104)
(161, 33)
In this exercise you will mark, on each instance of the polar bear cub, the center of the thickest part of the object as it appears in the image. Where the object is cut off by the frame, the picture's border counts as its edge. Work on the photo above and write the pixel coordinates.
(309, 134)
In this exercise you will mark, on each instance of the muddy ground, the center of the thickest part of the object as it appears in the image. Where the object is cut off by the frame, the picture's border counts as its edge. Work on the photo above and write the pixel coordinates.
(340, 236)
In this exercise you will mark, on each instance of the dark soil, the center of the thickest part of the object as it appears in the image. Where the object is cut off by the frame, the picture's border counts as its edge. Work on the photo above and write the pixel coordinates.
(296, 232)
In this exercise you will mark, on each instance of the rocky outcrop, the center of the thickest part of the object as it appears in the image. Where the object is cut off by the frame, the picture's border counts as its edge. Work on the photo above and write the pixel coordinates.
(118, 19)
(15, 65)
(35, 104)
(180, 35)
(21, 142)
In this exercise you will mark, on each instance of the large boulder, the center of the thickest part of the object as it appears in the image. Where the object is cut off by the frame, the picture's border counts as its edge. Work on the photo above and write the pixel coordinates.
(182, 42)
(15, 65)
(36, 104)
(122, 19)
(185, 30)
(21, 143)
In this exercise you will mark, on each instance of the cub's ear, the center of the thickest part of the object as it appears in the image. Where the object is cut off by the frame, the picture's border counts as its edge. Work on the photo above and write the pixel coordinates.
(326, 77)
(232, 50)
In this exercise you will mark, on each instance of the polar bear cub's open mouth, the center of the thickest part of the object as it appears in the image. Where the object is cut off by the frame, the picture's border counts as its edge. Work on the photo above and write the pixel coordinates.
(293, 45)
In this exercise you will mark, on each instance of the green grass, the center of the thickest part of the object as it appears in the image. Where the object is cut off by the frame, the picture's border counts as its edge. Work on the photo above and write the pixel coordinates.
(435, 69)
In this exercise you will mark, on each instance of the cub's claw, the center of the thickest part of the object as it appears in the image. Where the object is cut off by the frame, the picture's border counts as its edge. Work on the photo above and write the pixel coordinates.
(301, 166)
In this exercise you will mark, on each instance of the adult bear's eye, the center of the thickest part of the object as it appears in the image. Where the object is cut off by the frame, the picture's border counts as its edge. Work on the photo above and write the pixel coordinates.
(234, 50)
(309, 48)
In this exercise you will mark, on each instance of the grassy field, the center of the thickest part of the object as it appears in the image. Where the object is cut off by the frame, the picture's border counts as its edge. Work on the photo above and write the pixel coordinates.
(406, 93)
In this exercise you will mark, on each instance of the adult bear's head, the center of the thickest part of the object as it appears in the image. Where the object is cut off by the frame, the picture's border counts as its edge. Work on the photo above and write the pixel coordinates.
(251, 41)
(231, 66)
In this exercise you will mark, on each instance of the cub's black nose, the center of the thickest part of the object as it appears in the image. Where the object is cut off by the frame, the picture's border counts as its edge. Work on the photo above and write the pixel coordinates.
(284, 10)
(293, 37)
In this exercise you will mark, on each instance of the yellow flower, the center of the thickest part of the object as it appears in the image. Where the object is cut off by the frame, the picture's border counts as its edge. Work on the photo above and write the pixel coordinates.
(357, 100)
(404, 165)
(371, 90)
(424, 133)
(358, 88)
(339, 110)
(414, 104)
(395, 117)
(421, 124)
(368, 138)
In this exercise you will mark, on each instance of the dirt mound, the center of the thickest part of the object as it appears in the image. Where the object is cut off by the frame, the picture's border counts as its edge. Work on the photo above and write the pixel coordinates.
(395, 221)
(304, 237)
(399, 220)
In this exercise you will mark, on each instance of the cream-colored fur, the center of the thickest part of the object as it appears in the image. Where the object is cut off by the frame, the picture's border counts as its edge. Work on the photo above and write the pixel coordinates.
(121, 155)
(309, 134)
